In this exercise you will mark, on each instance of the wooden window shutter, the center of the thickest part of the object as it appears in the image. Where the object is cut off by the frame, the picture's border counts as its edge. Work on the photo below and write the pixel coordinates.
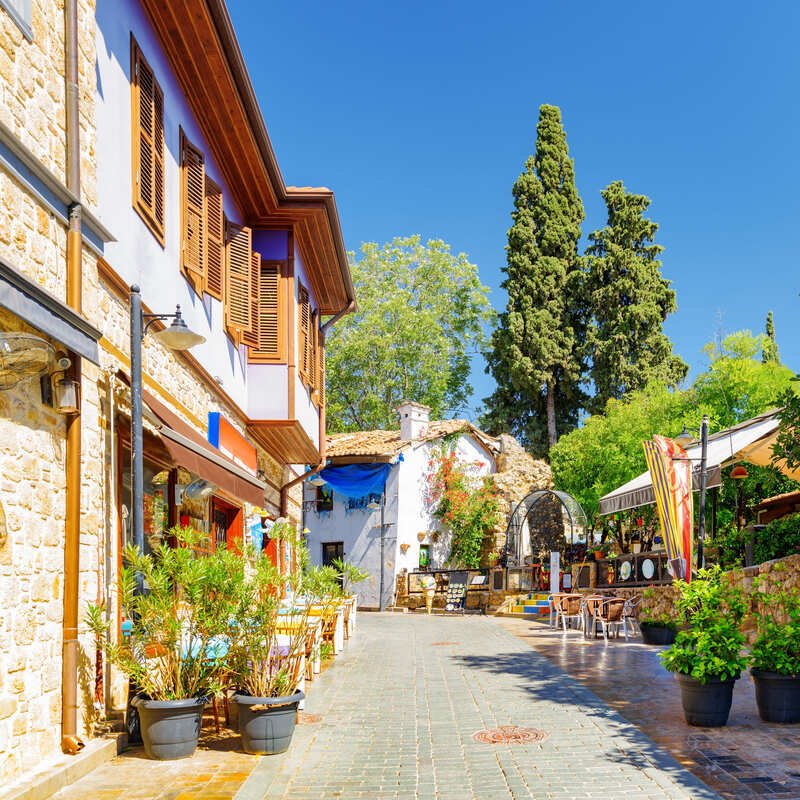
(313, 339)
(215, 241)
(271, 315)
(147, 135)
(193, 215)
(304, 333)
(238, 268)
(251, 338)
(321, 371)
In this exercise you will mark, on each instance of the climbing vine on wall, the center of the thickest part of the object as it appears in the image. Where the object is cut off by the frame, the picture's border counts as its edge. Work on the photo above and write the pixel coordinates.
(467, 505)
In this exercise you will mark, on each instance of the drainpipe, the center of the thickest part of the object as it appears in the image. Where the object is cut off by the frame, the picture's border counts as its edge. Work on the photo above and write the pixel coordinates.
(349, 308)
(70, 741)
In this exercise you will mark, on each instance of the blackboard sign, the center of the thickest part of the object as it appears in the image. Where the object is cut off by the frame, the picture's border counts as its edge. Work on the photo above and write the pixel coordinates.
(456, 596)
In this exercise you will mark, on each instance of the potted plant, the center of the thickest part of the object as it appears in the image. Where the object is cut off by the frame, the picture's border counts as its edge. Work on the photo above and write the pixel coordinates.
(658, 629)
(598, 551)
(267, 657)
(707, 655)
(177, 602)
(775, 656)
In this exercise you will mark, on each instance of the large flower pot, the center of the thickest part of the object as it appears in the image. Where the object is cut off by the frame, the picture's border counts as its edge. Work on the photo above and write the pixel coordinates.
(267, 723)
(170, 728)
(706, 704)
(657, 634)
(777, 696)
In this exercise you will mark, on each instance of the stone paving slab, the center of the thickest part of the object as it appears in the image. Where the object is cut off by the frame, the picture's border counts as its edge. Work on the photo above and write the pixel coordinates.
(401, 705)
(745, 760)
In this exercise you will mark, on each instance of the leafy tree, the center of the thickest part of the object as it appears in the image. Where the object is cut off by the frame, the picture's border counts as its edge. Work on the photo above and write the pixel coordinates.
(738, 385)
(421, 315)
(769, 350)
(536, 355)
(607, 450)
(629, 300)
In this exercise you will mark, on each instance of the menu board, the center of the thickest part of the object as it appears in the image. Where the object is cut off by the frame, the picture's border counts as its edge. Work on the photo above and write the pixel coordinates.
(456, 595)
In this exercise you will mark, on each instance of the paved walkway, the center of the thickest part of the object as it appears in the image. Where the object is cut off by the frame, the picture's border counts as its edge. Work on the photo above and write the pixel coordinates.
(744, 760)
(400, 707)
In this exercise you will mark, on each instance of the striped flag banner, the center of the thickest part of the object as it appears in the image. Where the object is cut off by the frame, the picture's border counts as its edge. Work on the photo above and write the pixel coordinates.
(671, 476)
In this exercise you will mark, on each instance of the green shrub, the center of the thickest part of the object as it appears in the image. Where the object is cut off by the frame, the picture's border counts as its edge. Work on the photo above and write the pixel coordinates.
(779, 538)
(659, 621)
(777, 648)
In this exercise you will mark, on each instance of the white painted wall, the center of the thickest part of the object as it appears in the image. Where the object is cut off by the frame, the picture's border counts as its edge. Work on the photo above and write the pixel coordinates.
(406, 515)
(359, 530)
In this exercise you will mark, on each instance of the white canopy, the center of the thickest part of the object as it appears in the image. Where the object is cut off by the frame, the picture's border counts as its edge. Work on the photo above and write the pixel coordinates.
(748, 441)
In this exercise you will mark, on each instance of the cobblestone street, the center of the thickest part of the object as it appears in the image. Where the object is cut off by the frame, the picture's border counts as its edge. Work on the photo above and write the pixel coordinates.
(400, 707)
(394, 717)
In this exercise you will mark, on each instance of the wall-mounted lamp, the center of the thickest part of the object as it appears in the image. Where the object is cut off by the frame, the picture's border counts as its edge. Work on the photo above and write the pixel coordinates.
(373, 505)
(317, 481)
(64, 390)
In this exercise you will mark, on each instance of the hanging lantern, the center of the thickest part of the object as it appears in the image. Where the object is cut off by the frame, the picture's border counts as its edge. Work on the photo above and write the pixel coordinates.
(738, 473)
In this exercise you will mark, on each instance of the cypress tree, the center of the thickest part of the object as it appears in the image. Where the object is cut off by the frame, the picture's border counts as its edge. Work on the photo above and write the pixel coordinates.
(536, 355)
(769, 351)
(629, 301)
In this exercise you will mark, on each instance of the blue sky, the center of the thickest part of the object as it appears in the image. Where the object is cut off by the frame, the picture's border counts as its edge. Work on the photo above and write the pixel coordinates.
(420, 115)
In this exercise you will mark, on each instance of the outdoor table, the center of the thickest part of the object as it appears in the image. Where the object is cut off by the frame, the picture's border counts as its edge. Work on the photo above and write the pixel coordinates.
(314, 630)
(327, 611)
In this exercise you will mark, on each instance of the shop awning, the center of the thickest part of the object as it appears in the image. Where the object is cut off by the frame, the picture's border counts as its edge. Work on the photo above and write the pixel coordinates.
(188, 449)
(747, 441)
(47, 313)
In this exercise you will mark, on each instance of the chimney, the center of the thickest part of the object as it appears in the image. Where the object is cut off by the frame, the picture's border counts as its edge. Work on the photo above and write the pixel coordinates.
(413, 419)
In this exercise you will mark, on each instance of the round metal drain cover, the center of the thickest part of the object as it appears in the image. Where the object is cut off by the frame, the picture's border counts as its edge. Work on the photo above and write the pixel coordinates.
(443, 644)
(509, 734)
(305, 718)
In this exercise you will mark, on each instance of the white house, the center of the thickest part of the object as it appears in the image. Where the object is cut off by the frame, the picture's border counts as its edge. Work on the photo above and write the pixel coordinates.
(350, 526)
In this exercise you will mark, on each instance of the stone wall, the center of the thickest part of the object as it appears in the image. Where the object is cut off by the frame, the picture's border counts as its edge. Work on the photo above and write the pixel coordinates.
(517, 475)
(32, 435)
(32, 87)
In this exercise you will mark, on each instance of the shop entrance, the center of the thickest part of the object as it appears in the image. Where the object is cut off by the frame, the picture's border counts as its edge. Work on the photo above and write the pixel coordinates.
(226, 523)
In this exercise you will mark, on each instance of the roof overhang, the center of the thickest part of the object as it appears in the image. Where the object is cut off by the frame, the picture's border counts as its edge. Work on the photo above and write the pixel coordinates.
(750, 441)
(201, 45)
(47, 313)
(286, 440)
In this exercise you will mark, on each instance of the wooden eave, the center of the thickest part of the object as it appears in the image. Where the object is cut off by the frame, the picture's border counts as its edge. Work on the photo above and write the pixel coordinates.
(201, 46)
(285, 439)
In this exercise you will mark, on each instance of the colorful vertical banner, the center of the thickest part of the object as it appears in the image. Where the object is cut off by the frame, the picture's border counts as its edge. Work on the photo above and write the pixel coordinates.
(671, 476)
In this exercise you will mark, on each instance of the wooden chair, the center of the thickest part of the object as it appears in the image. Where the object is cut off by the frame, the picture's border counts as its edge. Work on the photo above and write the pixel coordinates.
(630, 615)
(569, 609)
(608, 615)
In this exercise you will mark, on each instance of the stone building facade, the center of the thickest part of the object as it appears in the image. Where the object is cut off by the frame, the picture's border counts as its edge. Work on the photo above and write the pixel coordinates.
(35, 205)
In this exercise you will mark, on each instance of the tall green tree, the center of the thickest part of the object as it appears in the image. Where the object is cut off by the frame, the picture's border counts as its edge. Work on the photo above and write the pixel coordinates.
(421, 316)
(537, 348)
(606, 451)
(629, 301)
(769, 352)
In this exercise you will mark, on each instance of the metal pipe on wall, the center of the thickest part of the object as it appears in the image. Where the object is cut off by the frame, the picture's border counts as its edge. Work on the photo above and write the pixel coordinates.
(70, 741)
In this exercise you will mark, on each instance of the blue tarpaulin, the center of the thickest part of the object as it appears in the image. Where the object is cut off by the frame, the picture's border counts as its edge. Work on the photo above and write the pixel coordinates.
(356, 480)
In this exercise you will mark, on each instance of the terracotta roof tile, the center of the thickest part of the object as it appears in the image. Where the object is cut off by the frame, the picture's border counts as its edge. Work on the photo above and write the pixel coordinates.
(389, 444)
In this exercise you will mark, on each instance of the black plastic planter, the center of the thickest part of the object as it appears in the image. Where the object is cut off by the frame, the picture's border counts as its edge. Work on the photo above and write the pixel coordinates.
(706, 704)
(267, 723)
(170, 728)
(657, 634)
(777, 696)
